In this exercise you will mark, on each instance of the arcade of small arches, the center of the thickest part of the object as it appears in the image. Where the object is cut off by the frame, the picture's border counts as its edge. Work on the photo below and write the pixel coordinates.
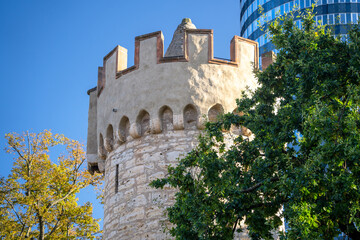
(165, 122)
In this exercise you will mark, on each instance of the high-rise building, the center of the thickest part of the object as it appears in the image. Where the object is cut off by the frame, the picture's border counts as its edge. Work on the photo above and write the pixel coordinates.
(338, 13)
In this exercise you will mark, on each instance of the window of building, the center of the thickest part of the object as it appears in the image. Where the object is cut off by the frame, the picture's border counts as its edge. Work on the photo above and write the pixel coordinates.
(348, 18)
(336, 18)
(261, 40)
(342, 18)
(287, 7)
(324, 19)
(318, 20)
(277, 11)
(354, 17)
(299, 24)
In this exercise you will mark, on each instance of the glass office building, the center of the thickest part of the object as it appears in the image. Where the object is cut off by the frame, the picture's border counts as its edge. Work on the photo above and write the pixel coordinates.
(339, 13)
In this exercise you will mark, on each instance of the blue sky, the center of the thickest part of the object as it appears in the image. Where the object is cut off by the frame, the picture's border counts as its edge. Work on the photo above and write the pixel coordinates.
(50, 51)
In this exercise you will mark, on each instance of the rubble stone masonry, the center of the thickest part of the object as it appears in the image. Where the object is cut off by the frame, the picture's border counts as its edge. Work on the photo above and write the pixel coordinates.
(133, 209)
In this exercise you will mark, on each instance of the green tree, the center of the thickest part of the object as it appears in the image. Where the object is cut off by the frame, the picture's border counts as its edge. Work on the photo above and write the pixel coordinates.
(303, 160)
(38, 199)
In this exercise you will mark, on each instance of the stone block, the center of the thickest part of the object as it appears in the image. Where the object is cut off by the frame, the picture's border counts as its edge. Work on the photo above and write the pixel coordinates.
(131, 172)
(173, 156)
(126, 183)
(136, 214)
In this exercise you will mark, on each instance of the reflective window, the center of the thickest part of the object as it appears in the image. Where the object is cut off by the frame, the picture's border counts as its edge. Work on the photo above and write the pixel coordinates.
(325, 21)
(342, 18)
(318, 20)
(354, 18)
(277, 11)
(287, 7)
(348, 18)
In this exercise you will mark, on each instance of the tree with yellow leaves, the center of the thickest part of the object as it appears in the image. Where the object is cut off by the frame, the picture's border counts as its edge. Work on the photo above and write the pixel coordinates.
(38, 199)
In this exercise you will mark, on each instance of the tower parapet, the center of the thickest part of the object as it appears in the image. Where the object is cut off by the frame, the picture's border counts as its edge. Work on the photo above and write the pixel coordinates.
(143, 117)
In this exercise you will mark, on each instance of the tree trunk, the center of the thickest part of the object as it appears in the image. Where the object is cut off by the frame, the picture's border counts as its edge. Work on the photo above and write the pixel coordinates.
(41, 228)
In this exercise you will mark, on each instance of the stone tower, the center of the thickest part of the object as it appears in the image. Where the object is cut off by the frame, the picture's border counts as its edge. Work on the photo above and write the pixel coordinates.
(143, 117)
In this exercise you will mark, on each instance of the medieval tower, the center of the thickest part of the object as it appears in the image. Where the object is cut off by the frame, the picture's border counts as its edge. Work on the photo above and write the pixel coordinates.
(143, 117)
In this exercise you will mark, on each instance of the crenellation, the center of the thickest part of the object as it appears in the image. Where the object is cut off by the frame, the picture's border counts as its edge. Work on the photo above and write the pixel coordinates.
(110, 66)
(198, 49)
(148, 52)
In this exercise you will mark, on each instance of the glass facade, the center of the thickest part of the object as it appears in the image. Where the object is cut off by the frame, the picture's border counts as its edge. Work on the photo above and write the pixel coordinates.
(256, 14)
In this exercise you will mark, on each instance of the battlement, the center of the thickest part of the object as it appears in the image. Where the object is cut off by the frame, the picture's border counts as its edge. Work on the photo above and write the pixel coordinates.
(149, 50)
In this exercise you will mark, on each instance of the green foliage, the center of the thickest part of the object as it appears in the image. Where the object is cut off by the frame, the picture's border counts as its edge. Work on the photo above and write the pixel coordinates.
(301, 163)
(38, 199)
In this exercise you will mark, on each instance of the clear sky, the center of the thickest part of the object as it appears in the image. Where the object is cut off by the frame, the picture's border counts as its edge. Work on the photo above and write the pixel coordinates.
(50, 51)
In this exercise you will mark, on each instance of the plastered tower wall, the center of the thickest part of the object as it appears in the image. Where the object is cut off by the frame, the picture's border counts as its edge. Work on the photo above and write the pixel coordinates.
(142, 118)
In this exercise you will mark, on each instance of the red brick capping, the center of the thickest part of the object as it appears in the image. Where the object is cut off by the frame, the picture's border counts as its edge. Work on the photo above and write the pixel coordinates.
(267, 59)
(234, 58)
(91, 90)
(101, 80)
